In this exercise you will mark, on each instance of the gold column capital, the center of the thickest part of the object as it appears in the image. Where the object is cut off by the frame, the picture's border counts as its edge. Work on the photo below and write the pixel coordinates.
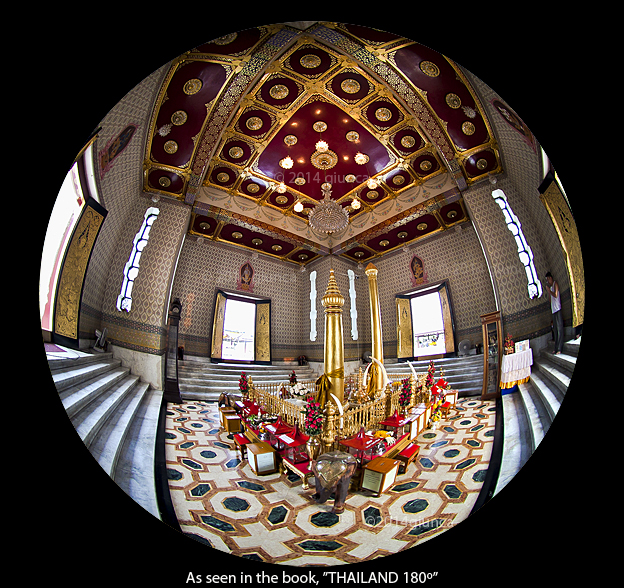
(371, 271)
(332, 299)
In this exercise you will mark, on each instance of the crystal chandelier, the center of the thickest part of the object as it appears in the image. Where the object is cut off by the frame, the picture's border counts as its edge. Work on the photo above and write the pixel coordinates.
(328, 216)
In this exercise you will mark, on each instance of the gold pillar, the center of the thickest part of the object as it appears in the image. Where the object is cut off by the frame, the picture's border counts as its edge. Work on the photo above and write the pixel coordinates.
(333, 302)
(377, 351)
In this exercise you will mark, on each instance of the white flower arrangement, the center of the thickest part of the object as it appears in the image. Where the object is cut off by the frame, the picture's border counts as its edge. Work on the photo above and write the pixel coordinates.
(298, 389)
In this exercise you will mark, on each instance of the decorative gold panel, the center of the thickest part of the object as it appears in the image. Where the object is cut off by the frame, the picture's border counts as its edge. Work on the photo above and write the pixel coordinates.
(562, 218)
(69, 291)
(449, 340)
(263, 331)
(405, 335)
(217, 326)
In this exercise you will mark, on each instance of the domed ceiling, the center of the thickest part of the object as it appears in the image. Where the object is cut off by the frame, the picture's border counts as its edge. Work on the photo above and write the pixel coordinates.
(235, 134)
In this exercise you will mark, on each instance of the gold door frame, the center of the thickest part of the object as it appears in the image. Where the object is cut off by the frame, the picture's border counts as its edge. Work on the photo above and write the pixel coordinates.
(405, 323)
(405, 331)
(262, 335)
(218, 319)
(262, 327)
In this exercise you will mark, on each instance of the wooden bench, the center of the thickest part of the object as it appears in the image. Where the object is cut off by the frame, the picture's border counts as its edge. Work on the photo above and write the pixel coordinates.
(407, 456)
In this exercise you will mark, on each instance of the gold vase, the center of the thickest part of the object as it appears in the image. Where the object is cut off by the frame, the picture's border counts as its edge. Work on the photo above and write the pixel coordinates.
(313, 447)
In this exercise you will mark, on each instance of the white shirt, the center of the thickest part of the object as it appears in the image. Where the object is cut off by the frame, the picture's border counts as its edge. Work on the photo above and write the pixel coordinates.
(555, 303)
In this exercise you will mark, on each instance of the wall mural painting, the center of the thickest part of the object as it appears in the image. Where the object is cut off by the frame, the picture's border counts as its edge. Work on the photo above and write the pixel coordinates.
(245, 278)
(114, 148)
(417, 271)
(515, 121)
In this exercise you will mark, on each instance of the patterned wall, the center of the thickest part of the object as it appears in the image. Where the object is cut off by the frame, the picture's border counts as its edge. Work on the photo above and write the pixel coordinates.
(120, 188)
(205, 266)
(522, 317)
(455, 256)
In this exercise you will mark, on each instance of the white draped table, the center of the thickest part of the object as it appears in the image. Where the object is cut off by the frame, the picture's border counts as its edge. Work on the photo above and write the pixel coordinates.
(516, 368)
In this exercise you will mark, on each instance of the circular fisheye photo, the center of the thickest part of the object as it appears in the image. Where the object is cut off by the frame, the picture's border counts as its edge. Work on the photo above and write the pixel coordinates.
(311, 295)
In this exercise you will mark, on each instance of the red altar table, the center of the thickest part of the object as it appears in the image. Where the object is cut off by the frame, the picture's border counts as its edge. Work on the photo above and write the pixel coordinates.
(276, 430)
(294, 446)
(397, 422)
(362, 443)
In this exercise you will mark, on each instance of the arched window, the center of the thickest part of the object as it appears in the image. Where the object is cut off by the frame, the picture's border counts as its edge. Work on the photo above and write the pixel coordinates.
(131, 270)
(524, 251)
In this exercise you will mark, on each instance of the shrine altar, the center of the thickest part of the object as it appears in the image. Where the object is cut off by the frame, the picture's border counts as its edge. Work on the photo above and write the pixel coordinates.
(516, 368)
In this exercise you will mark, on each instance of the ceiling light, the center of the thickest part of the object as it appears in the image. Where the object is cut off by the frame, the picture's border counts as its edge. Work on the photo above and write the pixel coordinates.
(355, 204)
(322, 146)
(286, 163)
(328, 216)
(361, 158)
(281, 188)
(372, 183)
(298, 206)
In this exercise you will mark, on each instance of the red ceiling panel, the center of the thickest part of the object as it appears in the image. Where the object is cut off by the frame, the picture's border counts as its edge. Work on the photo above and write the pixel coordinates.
(259, 241)
(204, 225)
(310, 61)
(280, 91)
(232, 44)
(165, 180)
(339, 124)
(182, 115)
(480, 163)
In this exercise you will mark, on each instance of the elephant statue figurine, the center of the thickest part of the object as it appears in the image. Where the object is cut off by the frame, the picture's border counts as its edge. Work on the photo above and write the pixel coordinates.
(332, 473)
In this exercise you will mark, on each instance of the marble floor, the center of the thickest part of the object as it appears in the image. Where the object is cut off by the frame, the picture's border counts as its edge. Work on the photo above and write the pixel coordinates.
(218, 500)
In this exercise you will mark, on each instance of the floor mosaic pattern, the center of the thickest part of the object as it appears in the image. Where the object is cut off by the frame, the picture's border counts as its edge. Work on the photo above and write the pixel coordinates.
(219, 500)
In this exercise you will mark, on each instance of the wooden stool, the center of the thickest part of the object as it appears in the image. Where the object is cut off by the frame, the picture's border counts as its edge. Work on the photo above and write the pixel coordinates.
(241, 442)
(407, 456)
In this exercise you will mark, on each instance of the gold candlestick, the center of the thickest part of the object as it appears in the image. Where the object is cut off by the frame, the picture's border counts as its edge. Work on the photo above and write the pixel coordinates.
(377, 351)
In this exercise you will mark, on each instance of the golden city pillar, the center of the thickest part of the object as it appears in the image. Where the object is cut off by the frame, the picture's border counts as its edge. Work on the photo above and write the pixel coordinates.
(332, 302)
(376, 376)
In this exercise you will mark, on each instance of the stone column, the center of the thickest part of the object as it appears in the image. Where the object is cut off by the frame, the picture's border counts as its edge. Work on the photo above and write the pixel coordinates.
(377, 350)
(332, 302)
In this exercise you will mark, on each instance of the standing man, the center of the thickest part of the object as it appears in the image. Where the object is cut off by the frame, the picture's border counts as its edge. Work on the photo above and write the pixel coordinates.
(555, 306)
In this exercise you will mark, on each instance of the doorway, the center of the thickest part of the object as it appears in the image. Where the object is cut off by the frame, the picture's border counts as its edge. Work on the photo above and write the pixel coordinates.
(238, 330)
(425, 323)
(241, 328)
(428, 325)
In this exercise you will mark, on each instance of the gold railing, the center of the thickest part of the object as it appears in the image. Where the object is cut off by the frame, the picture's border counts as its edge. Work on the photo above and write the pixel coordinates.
(355, 416)
(268, 397)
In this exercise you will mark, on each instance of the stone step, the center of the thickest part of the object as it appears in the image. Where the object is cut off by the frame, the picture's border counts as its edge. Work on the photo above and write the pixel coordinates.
(81, 394)
(554, 375)
(95, 414)
(529, 413)
(550, 398)
(516, 439)
(537, 416)
(255, 375)
(81, 371)
(107, 447)
(114, 413)
(134, 472)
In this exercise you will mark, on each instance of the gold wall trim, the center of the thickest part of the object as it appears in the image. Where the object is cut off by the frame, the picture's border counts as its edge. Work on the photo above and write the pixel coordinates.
(73, 272)
(263, 332)
(561, 216)
(217, 326)
(405, 334)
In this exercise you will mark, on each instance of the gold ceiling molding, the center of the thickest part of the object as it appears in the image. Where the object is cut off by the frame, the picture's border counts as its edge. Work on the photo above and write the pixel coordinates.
(284, 70)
